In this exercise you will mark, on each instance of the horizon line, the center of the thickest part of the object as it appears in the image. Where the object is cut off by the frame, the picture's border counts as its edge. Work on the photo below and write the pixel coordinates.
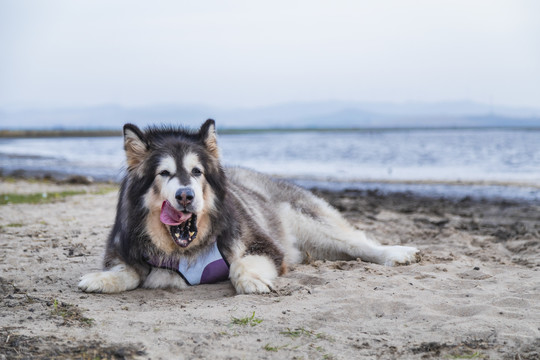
(106, 132)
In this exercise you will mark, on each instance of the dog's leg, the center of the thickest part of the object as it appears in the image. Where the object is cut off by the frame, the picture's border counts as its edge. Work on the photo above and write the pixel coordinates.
(253, 274)
(327, 235)
(119, 278)
(356, 244)
(335, 245)
(163, 279)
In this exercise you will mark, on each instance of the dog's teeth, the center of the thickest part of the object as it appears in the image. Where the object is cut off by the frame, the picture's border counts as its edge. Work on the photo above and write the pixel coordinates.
(191, 233)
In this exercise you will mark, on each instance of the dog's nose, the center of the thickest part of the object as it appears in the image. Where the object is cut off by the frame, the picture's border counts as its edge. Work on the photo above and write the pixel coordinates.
(185, 196)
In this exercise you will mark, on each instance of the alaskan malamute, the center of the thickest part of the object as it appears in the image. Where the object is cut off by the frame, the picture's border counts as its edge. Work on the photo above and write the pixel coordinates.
(183, 219)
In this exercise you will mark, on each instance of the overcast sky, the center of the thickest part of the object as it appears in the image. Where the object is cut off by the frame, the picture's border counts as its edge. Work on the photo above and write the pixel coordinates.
(250, 53)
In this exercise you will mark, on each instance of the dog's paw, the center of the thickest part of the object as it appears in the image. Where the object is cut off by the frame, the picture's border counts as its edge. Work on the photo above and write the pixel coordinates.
(119, 278)
(250, 285)
(253, 274)
(400, 255)
(100, 282)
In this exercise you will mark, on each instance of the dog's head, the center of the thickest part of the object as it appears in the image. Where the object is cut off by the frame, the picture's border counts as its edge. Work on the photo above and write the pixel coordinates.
(181, 180)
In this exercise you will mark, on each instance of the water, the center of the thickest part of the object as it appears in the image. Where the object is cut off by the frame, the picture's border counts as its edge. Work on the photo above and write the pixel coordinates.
(99, 157)
(383, 159)
(436, 155)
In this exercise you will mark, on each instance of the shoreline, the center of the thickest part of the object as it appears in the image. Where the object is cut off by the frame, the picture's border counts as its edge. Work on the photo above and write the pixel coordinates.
(59, 176)
(520, 191)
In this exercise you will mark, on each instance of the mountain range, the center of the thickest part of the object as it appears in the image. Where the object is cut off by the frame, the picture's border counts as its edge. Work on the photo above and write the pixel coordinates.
(327, 114)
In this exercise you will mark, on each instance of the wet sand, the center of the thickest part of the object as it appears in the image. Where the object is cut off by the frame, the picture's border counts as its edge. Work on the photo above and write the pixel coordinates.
(475, 294)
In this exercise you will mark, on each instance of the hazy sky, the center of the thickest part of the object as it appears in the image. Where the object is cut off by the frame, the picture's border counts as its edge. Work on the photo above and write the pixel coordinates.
(249, 53)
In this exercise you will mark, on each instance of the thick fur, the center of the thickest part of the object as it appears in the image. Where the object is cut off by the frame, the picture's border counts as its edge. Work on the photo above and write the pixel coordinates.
(261, 225)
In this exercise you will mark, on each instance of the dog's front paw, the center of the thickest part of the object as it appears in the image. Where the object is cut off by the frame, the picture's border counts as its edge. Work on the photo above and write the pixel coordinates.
(119, 278)
(250, 285)
(101, 282)
(401, 255)
(253, 274)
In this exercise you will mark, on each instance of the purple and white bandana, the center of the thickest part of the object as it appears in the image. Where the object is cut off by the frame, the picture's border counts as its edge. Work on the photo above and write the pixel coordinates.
(209, 268)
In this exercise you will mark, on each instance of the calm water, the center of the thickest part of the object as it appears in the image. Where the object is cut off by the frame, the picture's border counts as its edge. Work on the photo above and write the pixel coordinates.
(357, 159)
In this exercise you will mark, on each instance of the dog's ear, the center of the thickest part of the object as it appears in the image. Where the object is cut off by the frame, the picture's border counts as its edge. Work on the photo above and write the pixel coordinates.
(135, 145)
(208, 136)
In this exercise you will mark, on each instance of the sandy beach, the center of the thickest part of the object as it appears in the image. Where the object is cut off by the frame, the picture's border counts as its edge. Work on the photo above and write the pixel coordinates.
(475, 293)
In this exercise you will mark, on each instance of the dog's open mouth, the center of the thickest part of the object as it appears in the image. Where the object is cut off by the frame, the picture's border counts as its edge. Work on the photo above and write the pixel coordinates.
(182, 225)
(186, 232)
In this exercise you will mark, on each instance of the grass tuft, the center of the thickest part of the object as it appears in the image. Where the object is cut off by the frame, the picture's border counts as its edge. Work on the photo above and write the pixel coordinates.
(269, 347)
(296, 333)
(37, 198)
(70, 314)
(248, 320)
(15, 225)
(46, 197)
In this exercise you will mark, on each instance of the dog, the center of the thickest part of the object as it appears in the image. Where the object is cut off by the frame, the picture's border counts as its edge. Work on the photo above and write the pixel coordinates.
(184, 219)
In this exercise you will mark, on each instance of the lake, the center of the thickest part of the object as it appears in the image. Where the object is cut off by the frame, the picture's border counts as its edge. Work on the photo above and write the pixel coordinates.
(391, 160)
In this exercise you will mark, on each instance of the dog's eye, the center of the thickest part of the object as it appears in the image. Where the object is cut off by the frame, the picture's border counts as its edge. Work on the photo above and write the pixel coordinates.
(165, 173)
(196, 172)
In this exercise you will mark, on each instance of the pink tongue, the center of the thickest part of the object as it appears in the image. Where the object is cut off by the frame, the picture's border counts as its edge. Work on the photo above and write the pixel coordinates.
(170, 216)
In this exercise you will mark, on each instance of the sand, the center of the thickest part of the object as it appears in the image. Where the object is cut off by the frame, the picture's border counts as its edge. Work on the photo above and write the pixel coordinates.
(475, 294)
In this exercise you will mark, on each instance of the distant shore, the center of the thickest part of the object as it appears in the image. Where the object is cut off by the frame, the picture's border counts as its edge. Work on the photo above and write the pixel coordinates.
(46, 133)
